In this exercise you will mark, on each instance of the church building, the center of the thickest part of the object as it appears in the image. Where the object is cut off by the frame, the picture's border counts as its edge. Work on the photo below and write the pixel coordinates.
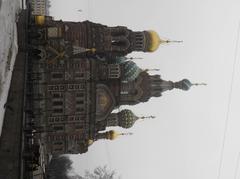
(80, 74)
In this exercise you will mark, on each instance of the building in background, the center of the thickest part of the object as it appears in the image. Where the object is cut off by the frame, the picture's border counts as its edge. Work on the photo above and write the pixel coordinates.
(40, 7)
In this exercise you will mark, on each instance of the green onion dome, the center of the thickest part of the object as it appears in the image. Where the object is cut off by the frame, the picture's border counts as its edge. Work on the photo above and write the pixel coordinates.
(126, 118)
(184, 84)
(118, 60)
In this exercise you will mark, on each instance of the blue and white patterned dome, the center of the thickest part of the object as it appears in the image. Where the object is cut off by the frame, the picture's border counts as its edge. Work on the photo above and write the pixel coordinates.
(184, 84)
(130, 71)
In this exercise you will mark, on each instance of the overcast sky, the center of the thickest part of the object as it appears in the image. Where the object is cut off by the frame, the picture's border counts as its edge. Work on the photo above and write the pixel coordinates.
(186, 138)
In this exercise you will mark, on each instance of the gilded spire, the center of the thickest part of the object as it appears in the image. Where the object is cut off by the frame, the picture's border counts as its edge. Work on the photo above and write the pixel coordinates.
(173, 41)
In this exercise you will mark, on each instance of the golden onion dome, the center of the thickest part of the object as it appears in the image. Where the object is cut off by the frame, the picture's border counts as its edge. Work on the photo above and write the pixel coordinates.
(154, 41)
(90, 142)
(40, 20)
(113, 134)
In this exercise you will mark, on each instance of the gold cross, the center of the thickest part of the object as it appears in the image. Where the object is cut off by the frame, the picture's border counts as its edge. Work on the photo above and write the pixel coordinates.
(58, 54)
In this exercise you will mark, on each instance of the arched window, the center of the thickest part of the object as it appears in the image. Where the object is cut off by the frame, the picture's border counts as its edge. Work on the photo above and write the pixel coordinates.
(120, 44)
(119, 31)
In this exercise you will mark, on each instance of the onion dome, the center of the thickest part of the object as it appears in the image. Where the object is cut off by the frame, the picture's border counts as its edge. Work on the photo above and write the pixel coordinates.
(153, 41)
(126, 118)
(185, 84)
(112, 135)
(130, 71)
(40, 20)
(118, 60)
(90, 142)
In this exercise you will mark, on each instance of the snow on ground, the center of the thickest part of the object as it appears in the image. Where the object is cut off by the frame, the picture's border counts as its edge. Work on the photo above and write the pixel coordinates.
(9, 10)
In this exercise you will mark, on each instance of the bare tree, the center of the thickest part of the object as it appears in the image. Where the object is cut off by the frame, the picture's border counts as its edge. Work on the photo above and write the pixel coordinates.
(60, 167)
(101, 173)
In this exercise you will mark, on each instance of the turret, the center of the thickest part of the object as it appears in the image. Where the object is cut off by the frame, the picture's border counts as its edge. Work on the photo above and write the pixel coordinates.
(125, 119)
(110, 41)
(146, 86)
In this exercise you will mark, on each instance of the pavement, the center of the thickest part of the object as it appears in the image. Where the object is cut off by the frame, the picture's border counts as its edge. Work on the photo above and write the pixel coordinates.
(11, 141)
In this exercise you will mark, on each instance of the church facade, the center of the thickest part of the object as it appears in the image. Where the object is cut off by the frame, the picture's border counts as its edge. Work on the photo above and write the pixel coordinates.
(80, 75)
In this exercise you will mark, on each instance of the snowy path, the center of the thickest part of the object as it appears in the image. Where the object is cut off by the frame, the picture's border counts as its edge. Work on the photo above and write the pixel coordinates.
(8, 48)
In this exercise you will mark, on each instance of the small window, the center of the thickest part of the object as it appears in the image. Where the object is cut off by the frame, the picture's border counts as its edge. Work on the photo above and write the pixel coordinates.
(57, 75)
(58, 128)
(71, 118)
(79, 95)
(79, 75)
(54, 32)
(71, 137)
(70, 86)
(56, 95)
(77, 118)
(79, 102)
(56, 87)
(58, 143)
(51, 119)
(79, 110)
(78, 127)
(76, 65)
(59, 110)
(58, 149)
(57, 103)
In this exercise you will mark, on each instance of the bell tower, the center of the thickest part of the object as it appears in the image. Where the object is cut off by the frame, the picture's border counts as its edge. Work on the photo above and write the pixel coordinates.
(110, 41)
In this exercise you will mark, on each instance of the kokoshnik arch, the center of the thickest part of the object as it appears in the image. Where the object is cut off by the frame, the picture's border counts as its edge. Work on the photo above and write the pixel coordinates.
(80, 75)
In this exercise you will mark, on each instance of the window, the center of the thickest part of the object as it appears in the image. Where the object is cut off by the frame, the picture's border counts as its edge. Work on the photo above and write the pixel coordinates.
(58, 128)
(79, 86)
(78, 127)
(51, 119)
(57, 103)
(58, 110)
(79, 109)
(79, 102)
(62, 87)
(70, 86)
(54, 32)
(57, 76)
(79, 95)
(70, 118)
(77, 118)
(57, 95)
(79, 75)
(76, 65)
(58, 143)
(58, 149)
(71, 137)
(56, 87)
